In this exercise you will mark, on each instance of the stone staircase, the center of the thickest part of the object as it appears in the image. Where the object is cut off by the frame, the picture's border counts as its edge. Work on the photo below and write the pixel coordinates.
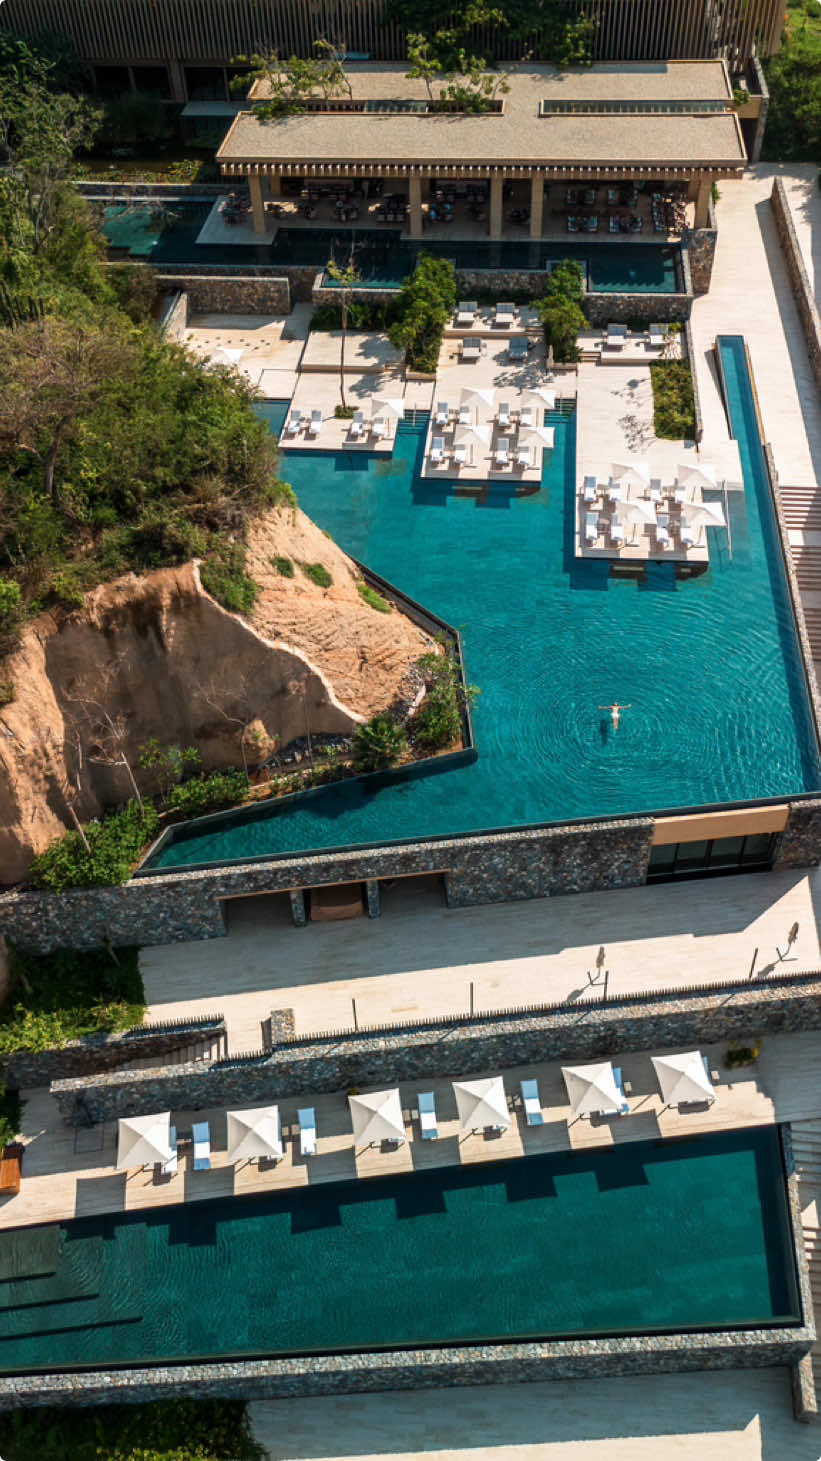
(801, 508)
(208, 1049)
(806, 1140)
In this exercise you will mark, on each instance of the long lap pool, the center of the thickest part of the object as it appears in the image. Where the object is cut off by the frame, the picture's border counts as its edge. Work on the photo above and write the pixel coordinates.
(645, 1237)
(710, 667)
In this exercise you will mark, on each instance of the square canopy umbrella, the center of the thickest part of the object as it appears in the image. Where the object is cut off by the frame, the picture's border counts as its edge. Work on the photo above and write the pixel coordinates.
(592, 1088)
(538, 435)
(703, 514)
(254, 1133)
(472, 433)
(683, 1078)
(377, 1116)
(388, 406)
(543, 394)
(143, 1140)
(696, 474)
(482, 1103)
(631, 474)
(478, 396)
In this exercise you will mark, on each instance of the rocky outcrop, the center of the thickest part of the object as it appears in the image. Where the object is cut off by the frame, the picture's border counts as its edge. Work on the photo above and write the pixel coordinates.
(156, 656)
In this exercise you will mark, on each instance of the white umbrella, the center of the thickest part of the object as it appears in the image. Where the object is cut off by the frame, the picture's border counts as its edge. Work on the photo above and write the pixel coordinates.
(484, 395)
(631, 474)
(387, 406)
(143, 1140)
(592, 1088)
(683, 1078)
(253, 1134)
(696, 474)
(542, 435)
(470, 432)
(543, 394)
(377, 1116)
(636, 510)
(481, 1103)
(707, 514)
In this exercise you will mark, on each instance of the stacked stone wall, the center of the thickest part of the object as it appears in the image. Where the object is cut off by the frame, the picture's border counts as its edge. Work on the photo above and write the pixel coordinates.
(226, 293)
(27, 1069)
(799, 278)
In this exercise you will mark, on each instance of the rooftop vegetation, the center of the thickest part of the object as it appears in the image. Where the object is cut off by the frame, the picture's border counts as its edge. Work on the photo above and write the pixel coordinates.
(543, 25)
(794, 79)
(674, 410)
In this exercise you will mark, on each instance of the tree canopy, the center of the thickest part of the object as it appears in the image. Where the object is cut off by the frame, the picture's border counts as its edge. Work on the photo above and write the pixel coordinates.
(794, 80)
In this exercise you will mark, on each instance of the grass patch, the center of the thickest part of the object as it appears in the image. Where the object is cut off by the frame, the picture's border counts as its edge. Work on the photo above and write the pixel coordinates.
(283, 566)
(164, 1430)
(373, 599)
(674, 409)
(318, 574)
(62, 996)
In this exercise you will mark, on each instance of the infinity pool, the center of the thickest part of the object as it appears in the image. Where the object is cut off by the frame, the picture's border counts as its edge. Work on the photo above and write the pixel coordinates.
(649, 1236)
(710, 667)
(383, 257)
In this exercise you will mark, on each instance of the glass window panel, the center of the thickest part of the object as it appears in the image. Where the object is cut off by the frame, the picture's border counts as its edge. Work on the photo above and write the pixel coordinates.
(758, 848)
(726, 852)
(691, 855)
(662, 858)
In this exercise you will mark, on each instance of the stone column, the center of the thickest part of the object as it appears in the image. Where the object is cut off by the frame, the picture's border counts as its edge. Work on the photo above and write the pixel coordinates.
(496, 216)
(415, 201)
(257, 202)
(702, 219)
(372, 896)
(299, 912)
(536, 204)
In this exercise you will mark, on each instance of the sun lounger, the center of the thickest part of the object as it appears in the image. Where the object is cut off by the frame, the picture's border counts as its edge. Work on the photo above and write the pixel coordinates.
(518, 348)
(437, 450)
(591, 489)
(470, 349)
(169, 1166)
(505, 314)
(464, 415)
(442, 413)
(379, 428)
(316, 423)
(591, 528)
(523, 457)
(526, 416)
(460, 453)
(687, 536)
(467, 311)
(307, 1131)
(662, 534)
(615, 491)
(504, 413)
(427, 1116)
(654, 490)
(532, 1104)
(617, 533)
(502, 455)
(357, 425)
(293, 423)
(616, 336)
(655, 335)
(624, 1109)
(679, 491)
(202, 1146)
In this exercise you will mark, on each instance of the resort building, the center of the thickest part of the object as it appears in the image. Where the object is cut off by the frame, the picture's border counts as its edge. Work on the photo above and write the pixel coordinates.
(186, 48)
(547, 146)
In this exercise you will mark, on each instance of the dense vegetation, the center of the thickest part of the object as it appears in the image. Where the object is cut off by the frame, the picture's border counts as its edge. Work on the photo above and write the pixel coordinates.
(167, 1430)
(543, 27)
(118, 451)
(674, 408)
(794, 80)
(561, 310)
(59, 997)
(438, 723)
(425, 303)
(380, 743)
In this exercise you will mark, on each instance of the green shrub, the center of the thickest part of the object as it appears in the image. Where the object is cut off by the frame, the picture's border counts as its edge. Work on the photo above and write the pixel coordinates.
(208, 792)
(439, 721)
(741, 1055)
(379, 744)
(566, 281)
(424, 305)
(674, 409)
(10, 603)
(161, 1430)
(115, 844)
(373, 599)
(62, 996)
(318, 574)
(563, 322)
(283, 566)
(343, 413)
(11, 1115)
(223, 576)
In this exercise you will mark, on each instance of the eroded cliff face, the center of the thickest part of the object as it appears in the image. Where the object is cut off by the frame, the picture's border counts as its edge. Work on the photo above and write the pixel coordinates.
(156, 656)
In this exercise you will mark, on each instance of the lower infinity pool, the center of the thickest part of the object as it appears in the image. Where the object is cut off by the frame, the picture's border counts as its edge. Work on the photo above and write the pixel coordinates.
(710, 666)
(644, 1237)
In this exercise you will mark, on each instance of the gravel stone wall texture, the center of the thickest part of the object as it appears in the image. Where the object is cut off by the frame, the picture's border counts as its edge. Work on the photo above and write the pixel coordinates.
(95, 1053)
(799, 278)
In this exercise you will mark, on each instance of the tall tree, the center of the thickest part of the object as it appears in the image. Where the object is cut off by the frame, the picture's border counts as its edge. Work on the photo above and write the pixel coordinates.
(40, 131)
(346, 278)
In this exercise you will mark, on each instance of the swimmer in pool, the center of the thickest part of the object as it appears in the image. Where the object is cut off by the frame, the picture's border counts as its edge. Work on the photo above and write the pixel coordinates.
(615, 712)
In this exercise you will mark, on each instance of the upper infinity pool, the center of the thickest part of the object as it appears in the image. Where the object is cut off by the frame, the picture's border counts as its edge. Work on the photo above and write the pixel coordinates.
(646, 1236)
(710, 667)
(167, 234)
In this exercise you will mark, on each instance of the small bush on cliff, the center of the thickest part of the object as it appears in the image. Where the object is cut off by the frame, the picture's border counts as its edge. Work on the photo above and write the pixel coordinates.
(373, 599)
(103, 854)
(379, 744)
(439, 721)
(208, 793)
(318, 574)
(58, 997)
(223, 576)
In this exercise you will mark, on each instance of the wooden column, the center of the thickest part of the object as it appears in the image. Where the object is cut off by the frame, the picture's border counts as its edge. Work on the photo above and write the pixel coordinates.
(496, 205)
(257, 202)
(536, 204)
(415, 201)
(703, 202)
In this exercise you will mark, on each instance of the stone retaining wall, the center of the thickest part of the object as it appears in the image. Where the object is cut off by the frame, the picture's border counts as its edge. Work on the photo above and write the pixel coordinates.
(733, 1011)
(230, 293)
(601, 309)
(699, 249)
(28, 1069)
(799, 279)
(174, 322)
(490, 868)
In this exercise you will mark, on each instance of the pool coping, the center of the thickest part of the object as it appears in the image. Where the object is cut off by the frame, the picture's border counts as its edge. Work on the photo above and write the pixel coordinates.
(469, 1364)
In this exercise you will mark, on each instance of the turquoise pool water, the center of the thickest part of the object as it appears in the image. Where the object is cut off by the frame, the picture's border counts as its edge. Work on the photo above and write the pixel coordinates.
(383, 257)
(647, 1236)
(710, 667)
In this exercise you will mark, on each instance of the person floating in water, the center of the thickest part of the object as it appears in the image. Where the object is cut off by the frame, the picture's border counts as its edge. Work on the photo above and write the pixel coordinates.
(615, 712)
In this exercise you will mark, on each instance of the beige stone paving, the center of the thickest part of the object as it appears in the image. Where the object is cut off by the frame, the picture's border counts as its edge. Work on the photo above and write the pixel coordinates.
(420, 957)
(257, 346)
(71, 1174)
(804, 198)
(750, 295)
(736, 1416)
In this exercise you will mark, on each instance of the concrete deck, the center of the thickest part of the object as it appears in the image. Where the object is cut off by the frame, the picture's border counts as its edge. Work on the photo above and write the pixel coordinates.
(736, 1416)
(420, 957)
(640, 540)
(70, 1172)
(317, 391)
(265, 349)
